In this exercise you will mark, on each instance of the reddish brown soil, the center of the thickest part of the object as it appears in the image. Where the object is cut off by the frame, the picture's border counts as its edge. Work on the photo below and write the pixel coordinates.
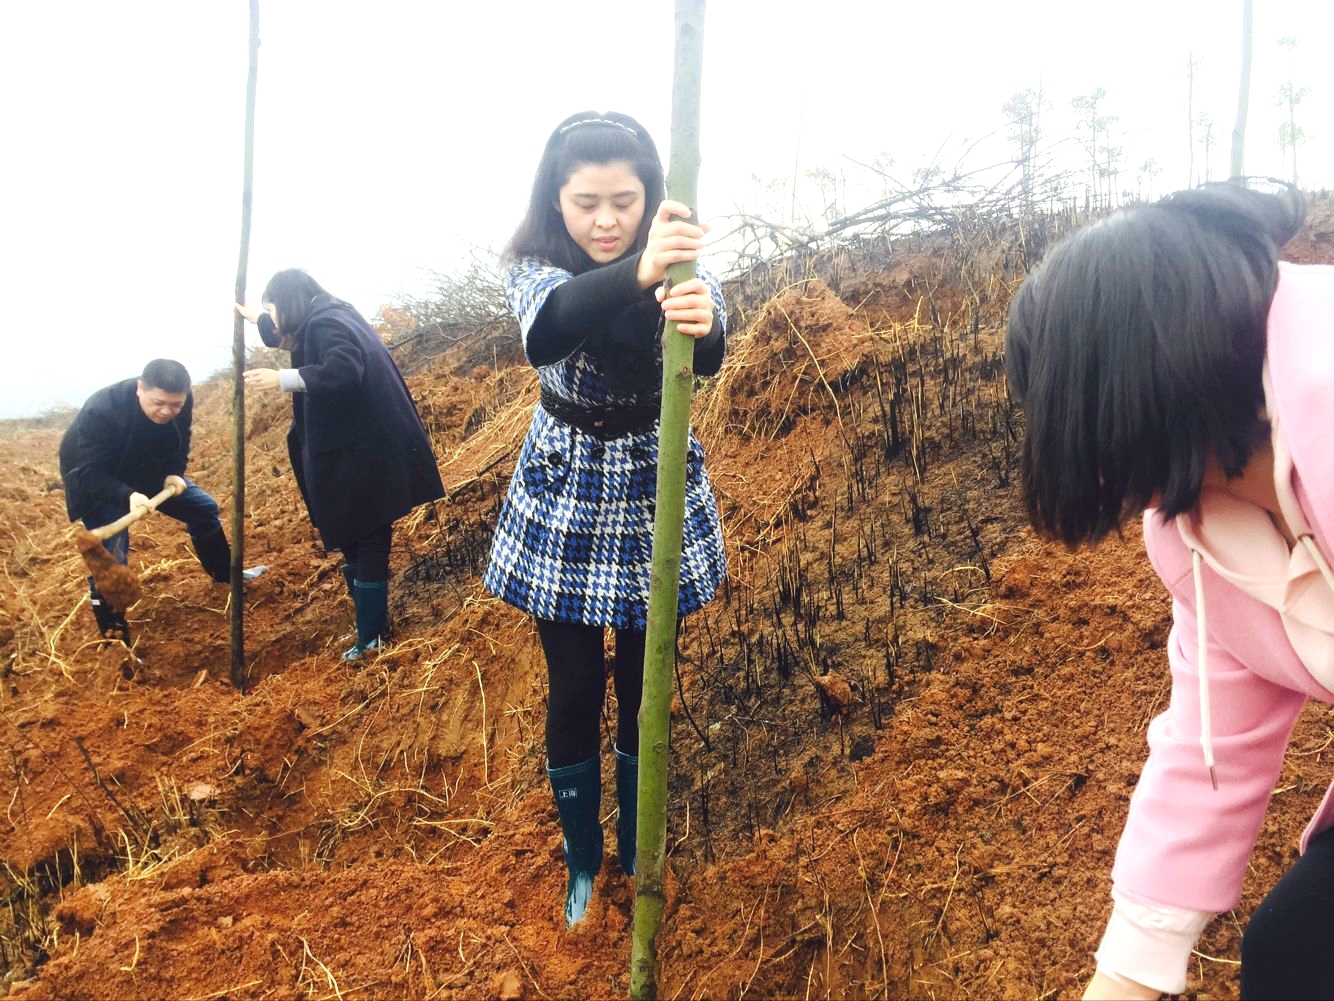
(902, 758)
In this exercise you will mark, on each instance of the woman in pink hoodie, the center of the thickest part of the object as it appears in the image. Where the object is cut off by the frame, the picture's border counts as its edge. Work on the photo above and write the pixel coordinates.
(1169, 364)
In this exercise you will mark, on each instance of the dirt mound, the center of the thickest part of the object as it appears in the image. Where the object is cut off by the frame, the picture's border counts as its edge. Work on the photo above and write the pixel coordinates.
(904, 735)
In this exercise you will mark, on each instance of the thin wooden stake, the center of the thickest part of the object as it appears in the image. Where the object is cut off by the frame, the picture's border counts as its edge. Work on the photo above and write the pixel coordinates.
(239, 679)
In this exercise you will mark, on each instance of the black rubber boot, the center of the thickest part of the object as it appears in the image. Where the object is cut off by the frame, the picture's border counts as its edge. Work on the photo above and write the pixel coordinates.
(110, 623)
(372, 603)
(578, 792)
(215, 555)
(627, 813)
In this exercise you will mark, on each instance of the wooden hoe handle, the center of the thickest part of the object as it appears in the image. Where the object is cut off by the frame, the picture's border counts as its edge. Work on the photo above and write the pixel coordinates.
(126, 520)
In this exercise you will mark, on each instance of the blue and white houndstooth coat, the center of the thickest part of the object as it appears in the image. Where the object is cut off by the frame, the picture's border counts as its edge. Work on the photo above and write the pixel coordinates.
(574, 539)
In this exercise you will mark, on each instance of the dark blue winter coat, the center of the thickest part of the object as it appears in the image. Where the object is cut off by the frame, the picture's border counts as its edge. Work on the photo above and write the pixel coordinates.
(361, 455)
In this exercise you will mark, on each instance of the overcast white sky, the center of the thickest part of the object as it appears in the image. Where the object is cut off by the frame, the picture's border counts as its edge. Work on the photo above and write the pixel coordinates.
(394, 135)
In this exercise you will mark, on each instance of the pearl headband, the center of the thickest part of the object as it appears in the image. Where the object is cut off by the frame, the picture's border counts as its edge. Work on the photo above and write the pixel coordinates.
(599, 121)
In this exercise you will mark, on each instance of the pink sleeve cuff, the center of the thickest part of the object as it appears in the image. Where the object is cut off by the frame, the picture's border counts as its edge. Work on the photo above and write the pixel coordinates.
(1150, 943)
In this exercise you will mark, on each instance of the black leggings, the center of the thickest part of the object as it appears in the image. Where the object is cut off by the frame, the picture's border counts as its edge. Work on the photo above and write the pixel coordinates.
(370, 553)
(577, 681)
(1285, 952)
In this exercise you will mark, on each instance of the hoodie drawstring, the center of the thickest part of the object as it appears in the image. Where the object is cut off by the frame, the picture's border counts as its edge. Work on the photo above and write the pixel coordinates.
(1309, 541)
(1201, 642)
(1202, 658)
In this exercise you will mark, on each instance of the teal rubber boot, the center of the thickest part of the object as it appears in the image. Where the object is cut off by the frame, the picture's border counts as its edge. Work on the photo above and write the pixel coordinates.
(578, 792)
(372, 603)
(350, 575)
(627, 813)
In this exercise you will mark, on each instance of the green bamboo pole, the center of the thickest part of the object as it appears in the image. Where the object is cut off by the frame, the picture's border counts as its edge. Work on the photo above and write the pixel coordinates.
(238, 373)
(678, 380)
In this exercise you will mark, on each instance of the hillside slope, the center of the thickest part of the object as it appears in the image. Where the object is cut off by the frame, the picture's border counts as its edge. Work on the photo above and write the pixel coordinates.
(904, 736)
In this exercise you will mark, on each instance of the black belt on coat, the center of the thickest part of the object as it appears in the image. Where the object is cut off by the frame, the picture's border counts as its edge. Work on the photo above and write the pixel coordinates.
(603, 422)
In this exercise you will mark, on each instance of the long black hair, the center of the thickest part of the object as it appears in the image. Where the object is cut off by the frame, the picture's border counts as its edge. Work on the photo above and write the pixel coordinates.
(588, 137)
(292, 292)
(1137, 349)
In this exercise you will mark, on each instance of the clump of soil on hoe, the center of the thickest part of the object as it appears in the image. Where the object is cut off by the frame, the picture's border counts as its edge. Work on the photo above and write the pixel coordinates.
(904, 737)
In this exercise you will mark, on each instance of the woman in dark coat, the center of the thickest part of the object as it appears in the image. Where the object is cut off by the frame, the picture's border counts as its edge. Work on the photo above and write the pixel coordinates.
(361, 456)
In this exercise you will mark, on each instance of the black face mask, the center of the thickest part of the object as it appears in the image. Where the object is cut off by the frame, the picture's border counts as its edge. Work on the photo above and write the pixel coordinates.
(630, 350)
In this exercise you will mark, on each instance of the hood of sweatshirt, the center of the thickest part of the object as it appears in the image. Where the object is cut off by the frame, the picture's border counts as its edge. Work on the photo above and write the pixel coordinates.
(1300, 356)
(1239, 541)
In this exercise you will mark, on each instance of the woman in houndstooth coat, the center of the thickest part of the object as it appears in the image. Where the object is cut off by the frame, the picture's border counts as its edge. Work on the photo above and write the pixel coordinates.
(573, 541)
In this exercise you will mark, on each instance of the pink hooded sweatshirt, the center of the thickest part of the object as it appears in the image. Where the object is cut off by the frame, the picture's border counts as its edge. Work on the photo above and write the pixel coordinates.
(1252, 639)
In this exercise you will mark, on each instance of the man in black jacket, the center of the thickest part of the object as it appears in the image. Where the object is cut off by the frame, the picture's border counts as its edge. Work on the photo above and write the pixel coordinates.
(129, 441)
